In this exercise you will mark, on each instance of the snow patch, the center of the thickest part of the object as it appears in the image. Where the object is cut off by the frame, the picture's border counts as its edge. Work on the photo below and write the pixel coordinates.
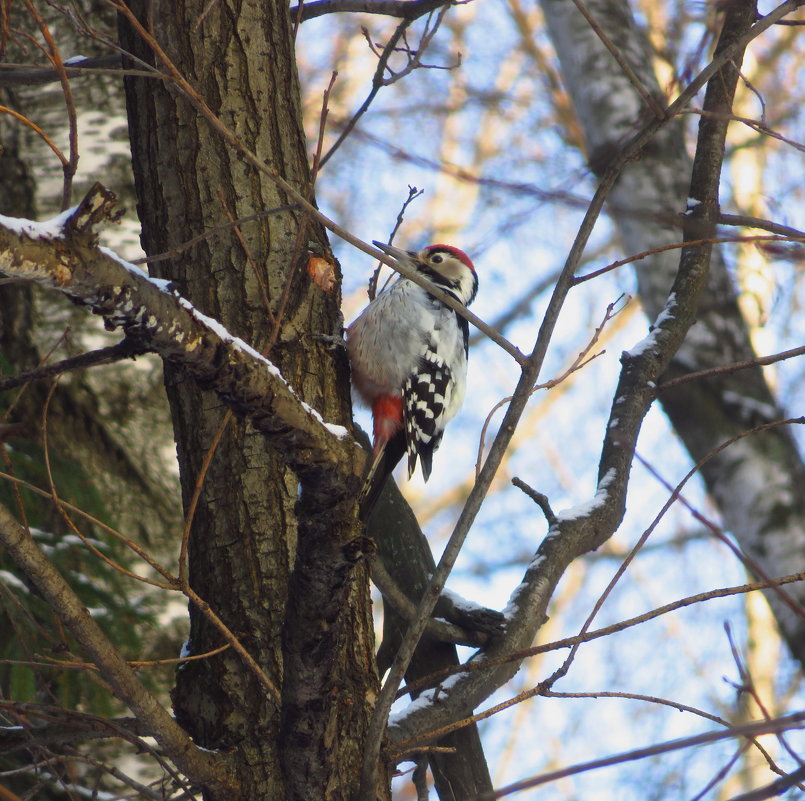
(646, 344)
(649, 342)
(161, 284)
(12, 581)
(459, 602)
(750, 407)
(427, 698)
(339, 432)
(668, 310)
(513, 605)
(336, 430)
(47, 229)
(586, 508)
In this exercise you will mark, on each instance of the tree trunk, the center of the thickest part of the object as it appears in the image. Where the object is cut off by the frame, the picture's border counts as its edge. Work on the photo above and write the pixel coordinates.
(286, 578)
(460, 772)
(756, 482)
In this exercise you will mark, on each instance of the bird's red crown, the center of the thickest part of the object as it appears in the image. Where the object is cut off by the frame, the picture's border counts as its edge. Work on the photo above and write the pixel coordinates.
(454, 251)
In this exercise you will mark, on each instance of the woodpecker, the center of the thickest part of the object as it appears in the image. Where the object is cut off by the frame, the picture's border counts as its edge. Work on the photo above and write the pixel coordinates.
(408, 355)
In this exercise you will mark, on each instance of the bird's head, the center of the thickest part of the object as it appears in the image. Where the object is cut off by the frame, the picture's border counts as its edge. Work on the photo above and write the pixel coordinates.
(445, 265)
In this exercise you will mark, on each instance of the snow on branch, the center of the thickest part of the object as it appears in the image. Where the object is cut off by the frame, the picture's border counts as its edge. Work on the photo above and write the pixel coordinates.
(63, 254)
(402, 9)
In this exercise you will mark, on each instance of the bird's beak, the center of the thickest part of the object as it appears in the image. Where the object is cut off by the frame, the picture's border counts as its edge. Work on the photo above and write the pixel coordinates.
(400, 255)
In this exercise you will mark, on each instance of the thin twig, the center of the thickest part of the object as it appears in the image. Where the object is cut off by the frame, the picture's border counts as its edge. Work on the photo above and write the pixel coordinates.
(538, 498)
(208, 612)
(754, 729)
(722, 771)
(194, 500)
(377, 85)
(413, 193)
(125, 349)
(379, 80)
(748, 686)
(581, 361)
(57, 501)
(37, 130)
(792, 235)
(760, 361)
(62, 664)
(325, 110)
(766, 225)
(256, 271)
(34, 75)
(69, 168)
(170, 583)
(746, 560)
(179, 249)
(468, 667)
(755, 125)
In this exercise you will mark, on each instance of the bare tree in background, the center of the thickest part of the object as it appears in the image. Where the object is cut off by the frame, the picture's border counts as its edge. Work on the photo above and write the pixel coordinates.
(277, 694)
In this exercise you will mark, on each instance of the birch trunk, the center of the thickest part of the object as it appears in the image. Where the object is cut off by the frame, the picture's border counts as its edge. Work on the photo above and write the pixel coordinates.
(756, 482)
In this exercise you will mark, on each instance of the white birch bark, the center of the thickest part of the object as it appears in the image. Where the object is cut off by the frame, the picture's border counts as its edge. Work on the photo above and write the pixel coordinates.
(757, 482)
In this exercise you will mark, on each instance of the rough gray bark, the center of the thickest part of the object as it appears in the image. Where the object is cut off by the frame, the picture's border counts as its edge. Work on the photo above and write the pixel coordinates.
(756, 482)
(284, 573)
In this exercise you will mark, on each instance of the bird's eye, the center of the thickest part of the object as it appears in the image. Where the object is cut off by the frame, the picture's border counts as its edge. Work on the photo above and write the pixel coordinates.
(436, 258)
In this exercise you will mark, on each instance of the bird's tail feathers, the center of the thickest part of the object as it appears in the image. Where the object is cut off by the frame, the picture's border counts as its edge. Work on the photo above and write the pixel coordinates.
(383, 464)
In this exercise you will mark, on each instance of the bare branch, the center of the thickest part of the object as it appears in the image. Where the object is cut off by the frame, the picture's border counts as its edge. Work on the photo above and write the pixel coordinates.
(715, 240)
(413, 194)
(538, 498)
(159, 319)
(778, 786)
(606, 631)
(109, 355)
(406, 609)
(766, 225)
(201, 766)
(76, 727)
(581, 360)
(581, 531)
(378, 81)
(750, 564)
(23, 75)
(754, 729)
